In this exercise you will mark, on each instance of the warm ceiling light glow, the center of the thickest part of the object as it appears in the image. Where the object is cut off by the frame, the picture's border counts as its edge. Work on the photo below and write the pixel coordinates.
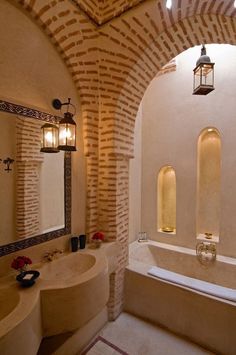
(235, 3)
(169, 4)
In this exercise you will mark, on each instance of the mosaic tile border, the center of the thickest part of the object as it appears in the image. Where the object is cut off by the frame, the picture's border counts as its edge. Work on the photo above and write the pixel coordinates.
(16, 109)
(28, 242)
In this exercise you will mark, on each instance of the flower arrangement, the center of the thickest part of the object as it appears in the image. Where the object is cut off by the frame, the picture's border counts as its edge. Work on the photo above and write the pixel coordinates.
(98, 236)
(20, 263)
(97, 239)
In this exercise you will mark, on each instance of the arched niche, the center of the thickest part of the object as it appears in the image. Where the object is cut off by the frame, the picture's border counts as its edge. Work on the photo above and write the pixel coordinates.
(208, 184)
(166, 200)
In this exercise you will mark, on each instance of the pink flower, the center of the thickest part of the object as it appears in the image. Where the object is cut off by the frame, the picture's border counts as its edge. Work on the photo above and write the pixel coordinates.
(98, 236)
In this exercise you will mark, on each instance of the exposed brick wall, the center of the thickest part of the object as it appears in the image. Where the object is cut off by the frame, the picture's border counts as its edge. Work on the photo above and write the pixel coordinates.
(28, 158)
(112, 66)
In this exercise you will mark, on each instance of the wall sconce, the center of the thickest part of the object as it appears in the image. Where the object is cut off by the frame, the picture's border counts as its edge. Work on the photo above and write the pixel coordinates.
(67, 127)
(53, 138)
(8, 162)
(203, 78)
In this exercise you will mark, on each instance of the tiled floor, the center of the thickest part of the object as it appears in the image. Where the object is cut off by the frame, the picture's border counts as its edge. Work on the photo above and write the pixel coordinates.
(136, 337)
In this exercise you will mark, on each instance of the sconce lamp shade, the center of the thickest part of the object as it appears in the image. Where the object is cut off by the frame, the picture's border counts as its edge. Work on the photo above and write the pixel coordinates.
(203, 81)
(67, 133)
(49, 138)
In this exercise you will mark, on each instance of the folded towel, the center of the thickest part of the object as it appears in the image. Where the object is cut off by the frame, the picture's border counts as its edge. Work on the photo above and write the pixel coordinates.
(199, 285)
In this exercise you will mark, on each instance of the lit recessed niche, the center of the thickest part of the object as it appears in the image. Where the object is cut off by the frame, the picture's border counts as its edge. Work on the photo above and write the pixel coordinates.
(208, 184)
(166, 200)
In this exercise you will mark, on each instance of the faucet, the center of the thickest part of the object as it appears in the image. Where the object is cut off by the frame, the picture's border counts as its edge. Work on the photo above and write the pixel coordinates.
(50, 255)
(206, 252)
(142, 237)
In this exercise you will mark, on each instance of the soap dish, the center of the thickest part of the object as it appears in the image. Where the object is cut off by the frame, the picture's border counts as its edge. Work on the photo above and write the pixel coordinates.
(25, 279)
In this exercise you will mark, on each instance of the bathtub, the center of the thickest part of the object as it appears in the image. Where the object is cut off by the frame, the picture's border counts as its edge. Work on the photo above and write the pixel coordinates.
(203, 309)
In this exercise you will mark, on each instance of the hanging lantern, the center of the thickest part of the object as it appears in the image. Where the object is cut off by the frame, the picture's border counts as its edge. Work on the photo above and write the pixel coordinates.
(49, 138)
(67, 126)
(67, 133)
(203, 81)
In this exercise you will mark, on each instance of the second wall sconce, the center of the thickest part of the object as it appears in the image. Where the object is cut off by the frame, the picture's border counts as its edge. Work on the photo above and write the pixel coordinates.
(54, 138)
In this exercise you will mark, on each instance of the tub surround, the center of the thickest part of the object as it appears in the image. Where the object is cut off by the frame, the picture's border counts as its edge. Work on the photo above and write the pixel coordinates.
(55, 305)
(198, 285)
(205, 319)
(182, 261)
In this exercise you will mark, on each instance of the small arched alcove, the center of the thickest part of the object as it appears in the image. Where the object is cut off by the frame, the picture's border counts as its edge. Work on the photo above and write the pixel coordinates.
(208, 184)
(166, 200)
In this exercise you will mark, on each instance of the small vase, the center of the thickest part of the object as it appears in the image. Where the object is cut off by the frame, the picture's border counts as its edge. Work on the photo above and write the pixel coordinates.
(97, 243)
(22, 269)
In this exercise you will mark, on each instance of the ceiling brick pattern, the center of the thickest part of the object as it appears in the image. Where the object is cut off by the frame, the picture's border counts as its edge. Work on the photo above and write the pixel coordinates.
(112, 65)
(102, 11)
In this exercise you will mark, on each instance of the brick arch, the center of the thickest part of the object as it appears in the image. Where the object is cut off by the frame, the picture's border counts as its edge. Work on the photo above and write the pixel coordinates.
(75, 39)
(171, 42)
(122, 93)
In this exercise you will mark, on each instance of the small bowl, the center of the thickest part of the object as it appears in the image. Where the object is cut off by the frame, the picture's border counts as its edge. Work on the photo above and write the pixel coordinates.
(27, 282)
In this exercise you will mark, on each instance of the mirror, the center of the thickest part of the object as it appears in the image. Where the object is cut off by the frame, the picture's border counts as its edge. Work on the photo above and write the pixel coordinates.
(35, 203)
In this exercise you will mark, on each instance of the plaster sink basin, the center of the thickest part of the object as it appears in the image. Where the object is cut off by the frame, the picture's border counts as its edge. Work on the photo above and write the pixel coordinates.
(9, 299)
(67, 267)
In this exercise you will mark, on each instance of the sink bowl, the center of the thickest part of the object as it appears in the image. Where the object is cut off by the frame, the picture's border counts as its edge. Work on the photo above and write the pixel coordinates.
(9, 299)
(67, 267)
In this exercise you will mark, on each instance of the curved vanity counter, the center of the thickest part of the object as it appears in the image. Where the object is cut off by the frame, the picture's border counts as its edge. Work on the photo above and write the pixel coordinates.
(70, 291)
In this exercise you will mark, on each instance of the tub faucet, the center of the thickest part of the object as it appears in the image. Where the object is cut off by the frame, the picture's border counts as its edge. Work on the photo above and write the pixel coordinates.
(142, 237)
(206, 252)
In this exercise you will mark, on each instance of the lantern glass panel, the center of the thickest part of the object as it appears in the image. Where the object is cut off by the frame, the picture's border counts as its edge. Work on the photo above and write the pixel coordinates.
(66, 135)
(49, 137)
(203, 78)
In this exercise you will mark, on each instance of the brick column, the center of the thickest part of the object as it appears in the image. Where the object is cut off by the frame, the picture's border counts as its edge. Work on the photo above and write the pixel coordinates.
(28, 160)
(113, 218)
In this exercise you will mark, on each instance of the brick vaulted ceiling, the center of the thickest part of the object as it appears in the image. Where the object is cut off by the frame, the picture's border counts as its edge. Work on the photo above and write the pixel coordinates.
(102, 11)
(113, 63)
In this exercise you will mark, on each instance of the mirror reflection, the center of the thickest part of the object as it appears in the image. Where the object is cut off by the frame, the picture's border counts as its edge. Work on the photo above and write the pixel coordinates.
(31, 182)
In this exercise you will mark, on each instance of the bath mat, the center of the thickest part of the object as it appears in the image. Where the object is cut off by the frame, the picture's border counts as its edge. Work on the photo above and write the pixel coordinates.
(102, 346)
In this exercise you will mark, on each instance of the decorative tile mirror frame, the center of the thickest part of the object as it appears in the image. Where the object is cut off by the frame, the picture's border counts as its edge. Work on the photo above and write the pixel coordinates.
(19, 110)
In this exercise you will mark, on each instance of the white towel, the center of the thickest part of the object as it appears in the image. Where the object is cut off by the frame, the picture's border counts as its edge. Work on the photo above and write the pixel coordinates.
(203, 286)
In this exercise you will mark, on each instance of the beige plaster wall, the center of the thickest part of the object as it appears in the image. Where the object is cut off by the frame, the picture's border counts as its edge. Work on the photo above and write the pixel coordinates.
(33, 74)
(135, 169)
(172, 121)
(7, 179)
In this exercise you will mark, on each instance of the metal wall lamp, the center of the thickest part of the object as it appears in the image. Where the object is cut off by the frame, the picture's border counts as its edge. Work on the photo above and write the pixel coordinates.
(63, 137)
(203, 74)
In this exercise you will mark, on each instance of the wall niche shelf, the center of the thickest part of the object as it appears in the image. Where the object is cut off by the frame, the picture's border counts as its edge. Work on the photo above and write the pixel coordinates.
(167, 233)
(208, 184)
(166, 200)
